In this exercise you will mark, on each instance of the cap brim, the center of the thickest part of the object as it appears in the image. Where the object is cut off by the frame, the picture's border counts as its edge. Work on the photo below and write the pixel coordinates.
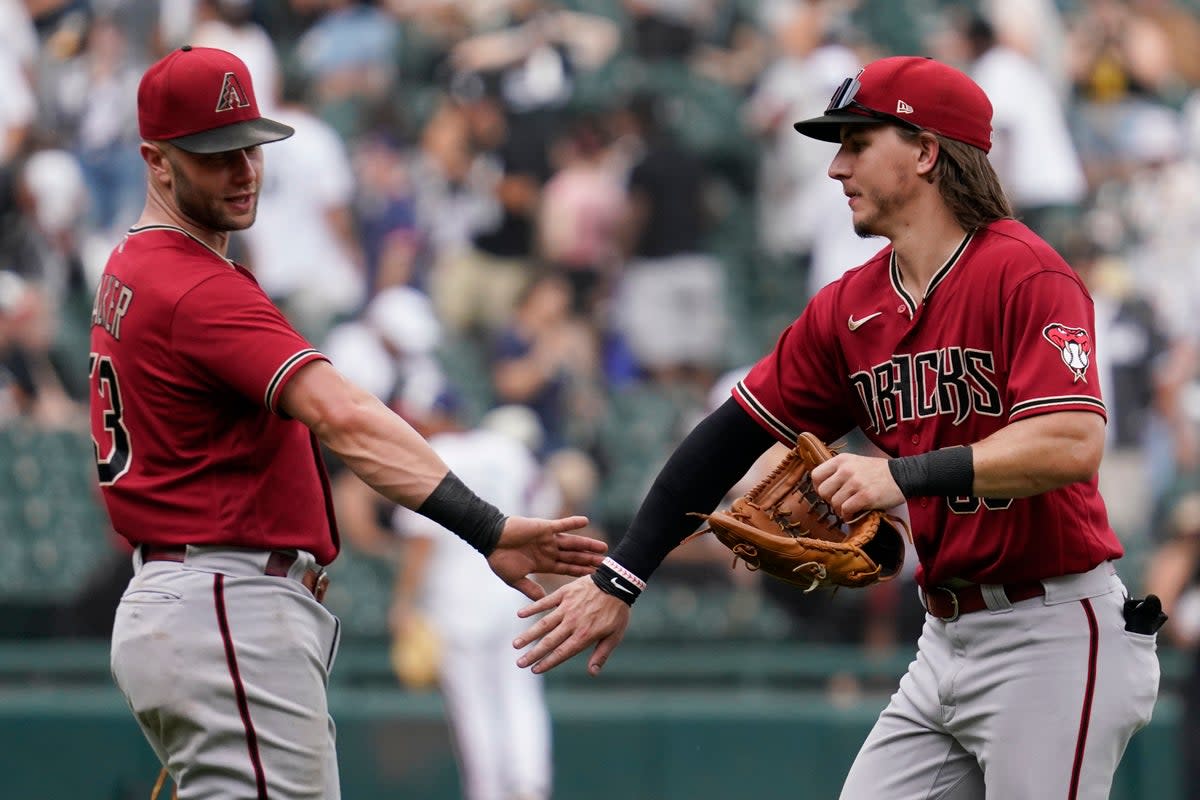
(828, 127)
(237, 136)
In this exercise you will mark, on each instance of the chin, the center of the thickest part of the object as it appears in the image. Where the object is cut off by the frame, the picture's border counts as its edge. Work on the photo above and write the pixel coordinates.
(864, 229)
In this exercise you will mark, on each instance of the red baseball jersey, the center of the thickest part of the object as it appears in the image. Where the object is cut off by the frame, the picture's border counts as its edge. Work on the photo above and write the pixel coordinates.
(1004, 333)
(188, 360)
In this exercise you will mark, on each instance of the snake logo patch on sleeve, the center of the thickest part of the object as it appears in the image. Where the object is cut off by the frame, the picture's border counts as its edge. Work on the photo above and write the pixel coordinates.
(1074, 344)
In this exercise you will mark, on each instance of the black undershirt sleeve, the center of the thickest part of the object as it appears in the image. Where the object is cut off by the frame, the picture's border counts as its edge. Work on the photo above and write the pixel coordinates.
(711, 459)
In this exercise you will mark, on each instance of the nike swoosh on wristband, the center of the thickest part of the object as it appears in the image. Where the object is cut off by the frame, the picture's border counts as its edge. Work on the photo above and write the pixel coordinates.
(617, 583)
(854, 324)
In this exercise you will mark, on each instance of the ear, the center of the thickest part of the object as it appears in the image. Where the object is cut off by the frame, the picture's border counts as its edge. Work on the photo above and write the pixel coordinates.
(928, 154)
(157, 163)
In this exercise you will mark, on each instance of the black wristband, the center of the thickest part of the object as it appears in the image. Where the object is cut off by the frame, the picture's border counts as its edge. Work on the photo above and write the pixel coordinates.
(455, 507)
(614, 579)
(949, 472)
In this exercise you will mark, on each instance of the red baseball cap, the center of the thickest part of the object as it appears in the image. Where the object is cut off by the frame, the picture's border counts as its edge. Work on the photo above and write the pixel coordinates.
(915, 92)
(200, 99)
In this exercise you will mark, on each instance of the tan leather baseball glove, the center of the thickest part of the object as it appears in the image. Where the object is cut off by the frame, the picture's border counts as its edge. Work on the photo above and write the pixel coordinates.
(416, 653)
(785, 529)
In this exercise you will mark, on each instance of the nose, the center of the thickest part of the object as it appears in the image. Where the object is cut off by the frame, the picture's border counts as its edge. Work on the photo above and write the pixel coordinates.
(839, 168)
(245, 166)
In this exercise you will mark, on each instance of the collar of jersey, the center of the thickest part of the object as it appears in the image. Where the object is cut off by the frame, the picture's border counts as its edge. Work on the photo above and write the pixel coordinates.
(938, 277)
(177, 229)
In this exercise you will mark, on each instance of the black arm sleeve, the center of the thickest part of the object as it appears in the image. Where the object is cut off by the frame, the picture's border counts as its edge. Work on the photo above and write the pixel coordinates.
(712, 458)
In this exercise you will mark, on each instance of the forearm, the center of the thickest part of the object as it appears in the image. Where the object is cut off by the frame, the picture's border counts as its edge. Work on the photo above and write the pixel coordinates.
(390, 457)
(374, 442)
(384, 451)
(1025, 458)
(1038, 454)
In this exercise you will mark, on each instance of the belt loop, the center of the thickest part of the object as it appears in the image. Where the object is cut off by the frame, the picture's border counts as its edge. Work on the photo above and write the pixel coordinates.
(995, 598)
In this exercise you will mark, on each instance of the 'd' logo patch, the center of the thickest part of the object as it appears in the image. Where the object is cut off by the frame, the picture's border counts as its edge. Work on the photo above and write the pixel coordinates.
(1074, 345)
(232, 95)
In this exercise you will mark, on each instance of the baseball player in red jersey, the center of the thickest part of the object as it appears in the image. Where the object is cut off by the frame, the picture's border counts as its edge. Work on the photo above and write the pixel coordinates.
(208, 411)
(963, 350)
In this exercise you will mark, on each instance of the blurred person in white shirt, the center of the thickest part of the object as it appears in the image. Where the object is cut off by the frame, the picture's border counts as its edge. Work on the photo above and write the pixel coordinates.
(1032, 148)
(303, 248)
(497, 712)
(801, 213)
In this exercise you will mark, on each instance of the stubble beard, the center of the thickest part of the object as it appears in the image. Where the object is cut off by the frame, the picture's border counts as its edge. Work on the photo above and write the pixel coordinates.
(869, 227)
(205, 210)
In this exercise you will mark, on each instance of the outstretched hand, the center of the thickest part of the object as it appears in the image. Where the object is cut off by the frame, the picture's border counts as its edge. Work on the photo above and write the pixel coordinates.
(530, 544)
(579, 615)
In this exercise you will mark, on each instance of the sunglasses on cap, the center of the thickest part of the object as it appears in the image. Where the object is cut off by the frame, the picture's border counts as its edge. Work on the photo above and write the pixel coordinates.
(843, 99)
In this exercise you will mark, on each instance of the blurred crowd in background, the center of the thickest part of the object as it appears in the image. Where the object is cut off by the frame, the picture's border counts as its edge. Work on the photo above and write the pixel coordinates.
(577, 223)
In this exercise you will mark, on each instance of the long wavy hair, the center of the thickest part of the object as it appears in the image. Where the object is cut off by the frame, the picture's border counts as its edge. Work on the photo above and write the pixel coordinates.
(967, 182)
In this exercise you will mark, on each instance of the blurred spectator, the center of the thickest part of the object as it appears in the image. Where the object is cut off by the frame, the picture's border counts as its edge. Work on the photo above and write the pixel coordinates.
(666, 30)
(1032, 149)
(95, 100)
(30, 387)
(582, 209)
(18, 107)
(802, 216)
(229, 25)
(1173, 573)
(1153, 210)
(1122, 59)
(453, 187)
(732, 47)
(496, 712)
(670, 305)
(304, 247)
(1132, 361)
(348, 56)
(391, 349)
(1036, 30)
(475, 288)
(537, 54)
(386, 210)
(18, 37)
(548, 359)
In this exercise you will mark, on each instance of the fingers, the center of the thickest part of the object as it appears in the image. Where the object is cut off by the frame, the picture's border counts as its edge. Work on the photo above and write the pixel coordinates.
(530, 588)
(545, 654)
(601, 654)
(580, 549)
(570, 524)
(583, 545)
(544, 604)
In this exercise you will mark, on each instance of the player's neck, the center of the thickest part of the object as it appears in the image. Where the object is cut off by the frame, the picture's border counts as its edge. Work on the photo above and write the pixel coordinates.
(922, 250)
(158, 212)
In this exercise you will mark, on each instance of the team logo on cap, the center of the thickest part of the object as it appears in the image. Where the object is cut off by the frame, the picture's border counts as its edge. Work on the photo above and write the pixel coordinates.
(903, 107)
(232, 95)
(1073, 344)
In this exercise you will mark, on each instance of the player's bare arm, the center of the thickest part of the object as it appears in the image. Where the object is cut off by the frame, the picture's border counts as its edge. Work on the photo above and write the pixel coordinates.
(394, 460)
(1037, 454)
(1028, 457)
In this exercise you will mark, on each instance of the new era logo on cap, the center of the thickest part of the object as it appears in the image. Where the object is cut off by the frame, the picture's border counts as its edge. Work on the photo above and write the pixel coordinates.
(903, 107)
(201, 99)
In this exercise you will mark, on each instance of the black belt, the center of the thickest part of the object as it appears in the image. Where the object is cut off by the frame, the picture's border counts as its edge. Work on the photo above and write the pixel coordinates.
(279, 564)
(949, 604)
